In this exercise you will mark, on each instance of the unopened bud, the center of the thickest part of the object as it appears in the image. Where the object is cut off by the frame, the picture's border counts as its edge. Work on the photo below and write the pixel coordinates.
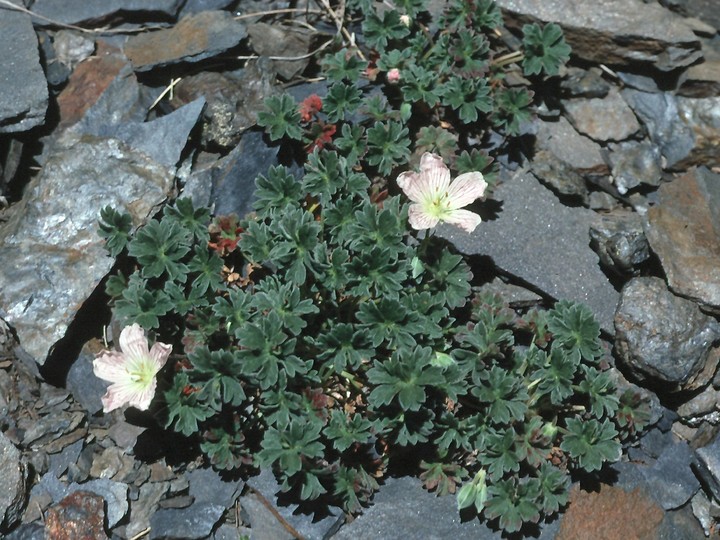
(405, 19)
(393, 76)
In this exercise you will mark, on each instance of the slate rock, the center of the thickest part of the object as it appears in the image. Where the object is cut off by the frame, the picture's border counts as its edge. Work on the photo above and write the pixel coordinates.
(58, 256)
(604, 119)
(113, 493)
(13, 483)
(194, 38)
(543, 242)
(662, 337)
(56, 72)
(23, 87)
(703, 79)
(709, 467)
(195, 521)
(683, 231)
(196, 6)
(86, 388)
(562, 141)
(659, 113)
(143, 508)
(85, 11)
(635, 163)
(265, 526)
(705, 10)
(560, 176)
(59, 462)
(72, 47)
(670, 478)
(206, 485)
(585, 83)
(614, 32)
(619, 240)
(702, 116)
(403, 509)
(707, 402)
(281, 41)
(27, 531)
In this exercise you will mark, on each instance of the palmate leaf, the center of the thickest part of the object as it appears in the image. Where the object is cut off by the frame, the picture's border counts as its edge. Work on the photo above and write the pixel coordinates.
(554, 487)
(504, 393)
(341, 100)
(276, 191)
(600, 390)
(343, 345)
(281, 118)
(388, 146)
(382, 227)
(142, 305)
(514, 501)
(556, 377)
(574, 328)
(379, 29)
(473, 493)
(184, 410)
(355, 487)
(451, 277)
(287, 448)
(387, 320)
(344, 65)
(160, 247)
(344, 431)
(591, 443)
(226, 451)
(284, 300)
(403, 377)
(208, 265)
(115, 228)
(442, 478)
(545, 49)
(234, 310)
(500, 455)
(220, 370)
(193, 219)
(468, 97)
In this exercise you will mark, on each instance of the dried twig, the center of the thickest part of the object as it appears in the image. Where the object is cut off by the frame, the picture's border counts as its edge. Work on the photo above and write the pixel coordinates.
(289, 528)
(277, 12)
(22, 9)
(168, 90)
(288, 58)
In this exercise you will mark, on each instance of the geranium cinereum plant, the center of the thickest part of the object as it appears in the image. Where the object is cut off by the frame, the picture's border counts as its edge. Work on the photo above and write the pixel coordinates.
(436, 199)
(131, 371)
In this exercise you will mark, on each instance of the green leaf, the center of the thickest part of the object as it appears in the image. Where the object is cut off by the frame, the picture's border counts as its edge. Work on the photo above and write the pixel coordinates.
(281, 118)
(184, 411)
(342, 100)
(234, 310)
(420, 84)
(554, 488)
(142, 306)
(379, 227)
(271, 295)
(404, 377)
(289, 447)
(226, 450)
(388, 320)
(344, 65)
(556, 377)
(195, 220)
(379, 29)
(160, 247)
(345, 432)
(515, 502)
(441, 477)
(467, 96)
(575, 329)
(591, 443)
(503, 392)
(208, 265)
(276, 191)
(352, 143)
(501, 454)
(354, 486)
(545, 49)
(451, 278)
(600, 390)
(512, 109)
(115, 228)
(473, 493)
(388, 146)
(220, 370)
(343, 345)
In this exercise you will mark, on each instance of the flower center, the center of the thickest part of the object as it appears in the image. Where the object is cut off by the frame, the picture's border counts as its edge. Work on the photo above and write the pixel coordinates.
(141, 371)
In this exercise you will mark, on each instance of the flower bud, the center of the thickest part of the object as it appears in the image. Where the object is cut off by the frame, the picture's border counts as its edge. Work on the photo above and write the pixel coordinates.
(393, 76)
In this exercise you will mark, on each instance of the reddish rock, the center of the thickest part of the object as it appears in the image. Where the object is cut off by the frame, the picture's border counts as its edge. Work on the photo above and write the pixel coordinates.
(611, 514)
(87, 82)
(79, 516)
(194, 38)
(683, 230)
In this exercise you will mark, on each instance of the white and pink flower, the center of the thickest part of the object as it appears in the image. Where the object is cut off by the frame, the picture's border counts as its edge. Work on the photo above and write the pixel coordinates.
(133, 371)
(436, 199)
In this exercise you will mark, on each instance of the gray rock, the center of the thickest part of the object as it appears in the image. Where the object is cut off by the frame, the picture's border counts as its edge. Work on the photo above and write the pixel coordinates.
(682, 231)
(13, 483)
(265, 526)
(517, 297)
(206, 485)
(559, 176)
(705, 510)
(709, 467)
(83, 11)
(615, 31)
(62, 460)
(586, 83)
(195, 521)
(543, 242)
(561, 140)
(702, 116)
(281, 41)
(703, 79)
(58, 255)
(114, 493)
(23, 87)
(662, 337)
(635, 163)
(72, 47)
(402, 509)
(659, 113)
(602, 119)
(27, 531)
(143, 508)
(196, 6)
(86, 388)
(194, 38)
(705, 10)
(706, 402)
(670, 478)
(619, 240)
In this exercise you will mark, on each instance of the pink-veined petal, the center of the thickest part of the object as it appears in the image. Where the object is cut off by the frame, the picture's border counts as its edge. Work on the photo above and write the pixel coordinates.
(130, 393)
(430, 161)
(419, 219)
(406, 178)
(110, 366)
(159, 354)
(465, 189)
(133, 342)
(465, 219)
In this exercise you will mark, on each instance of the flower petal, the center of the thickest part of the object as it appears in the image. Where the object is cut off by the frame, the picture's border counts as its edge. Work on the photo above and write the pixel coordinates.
(406, 178)
(120, 393)
(133, 342)
(110, 366)
(430, 161)
(159, 354)
(465, 189)
(465, 219)
(419, 219)
(431, 182)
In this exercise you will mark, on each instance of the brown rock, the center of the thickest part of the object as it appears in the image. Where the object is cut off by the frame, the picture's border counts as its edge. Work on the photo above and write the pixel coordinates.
(611, 514)
(603, 119)
(193, 39)
(614, 31)
(79, 516)
(562, 141)
(87, 82)
(277, 41)
(683, 230)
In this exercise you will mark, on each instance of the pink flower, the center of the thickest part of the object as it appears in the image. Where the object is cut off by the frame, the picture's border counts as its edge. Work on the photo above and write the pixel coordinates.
(131, 371)
(393, 76)
(436, 199)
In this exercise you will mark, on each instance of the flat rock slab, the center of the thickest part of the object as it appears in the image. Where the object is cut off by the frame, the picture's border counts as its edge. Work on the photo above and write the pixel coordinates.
(602, 119)
(23, 88)
(402, 509)
(684, 232)
(194, 38)
(543, 242)
(614, 31)
(82, 11)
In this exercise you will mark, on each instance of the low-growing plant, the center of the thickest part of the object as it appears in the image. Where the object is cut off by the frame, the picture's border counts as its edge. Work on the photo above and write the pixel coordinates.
(325, 338)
